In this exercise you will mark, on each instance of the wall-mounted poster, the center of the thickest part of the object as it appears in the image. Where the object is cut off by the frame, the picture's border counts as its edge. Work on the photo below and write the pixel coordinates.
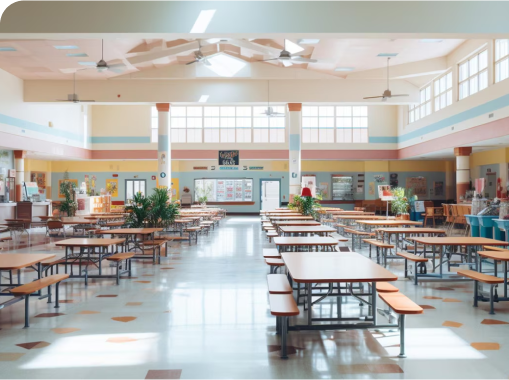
(229, 157)
(39, 178)
(371, 188)
(75, 181)
(418, 185)
(438, 188)
(112, 187)
(393, 179)
(323, 190)
(230, 192)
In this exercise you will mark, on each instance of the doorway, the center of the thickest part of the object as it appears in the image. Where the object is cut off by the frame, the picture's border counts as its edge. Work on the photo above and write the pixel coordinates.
(270, 192)
(133, 186)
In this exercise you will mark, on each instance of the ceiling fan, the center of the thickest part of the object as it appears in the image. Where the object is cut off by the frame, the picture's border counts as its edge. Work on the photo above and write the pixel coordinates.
(199, 57)
(74, 96)
(269, 112)
(288, 59)
(102, 65)
(387, 93)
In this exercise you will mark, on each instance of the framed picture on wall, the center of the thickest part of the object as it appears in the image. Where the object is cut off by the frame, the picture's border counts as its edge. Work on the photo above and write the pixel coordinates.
(438, 188)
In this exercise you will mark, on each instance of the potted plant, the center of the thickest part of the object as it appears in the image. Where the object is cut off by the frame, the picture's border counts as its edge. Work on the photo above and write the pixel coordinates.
(204, 193)
(400, 204)
(305, 203)
(67, 188)
(156, 211)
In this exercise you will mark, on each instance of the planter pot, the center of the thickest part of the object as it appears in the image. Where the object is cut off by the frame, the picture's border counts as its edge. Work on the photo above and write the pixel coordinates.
(403, 217)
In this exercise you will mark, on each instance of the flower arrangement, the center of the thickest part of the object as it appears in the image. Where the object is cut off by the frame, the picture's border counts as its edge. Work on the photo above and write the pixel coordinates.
(186, 189)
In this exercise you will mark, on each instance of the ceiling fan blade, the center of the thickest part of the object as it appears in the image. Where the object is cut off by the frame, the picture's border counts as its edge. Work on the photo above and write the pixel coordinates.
(63, 100)
(384, 99)
(271, 59)
(302, 59)
(116, 65)
(189, 63)
(206, 62)
(286, 63)
(373, 97)
(392, 96)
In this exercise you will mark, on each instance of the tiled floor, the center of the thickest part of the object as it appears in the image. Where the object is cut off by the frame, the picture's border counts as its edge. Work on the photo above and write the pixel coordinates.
(203, 313)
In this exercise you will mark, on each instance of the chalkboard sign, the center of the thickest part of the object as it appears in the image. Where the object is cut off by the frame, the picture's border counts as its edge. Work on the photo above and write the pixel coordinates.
(228, 157)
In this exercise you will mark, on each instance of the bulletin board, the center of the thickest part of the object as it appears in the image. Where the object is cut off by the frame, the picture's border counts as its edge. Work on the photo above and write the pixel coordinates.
(113, 186)
(418, 185)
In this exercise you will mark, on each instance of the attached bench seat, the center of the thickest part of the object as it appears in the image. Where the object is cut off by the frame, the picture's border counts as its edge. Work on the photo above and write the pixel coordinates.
(485, 279)
(274, 264)
(271, 235)
(358, 233)
(271, 253)
(118, 258)
(283, 306)
(381, 247)
(416, 259)
(490, 248)
(402, 305)
(385, 287)
(34, 286)
(278, 284)
(155, 245)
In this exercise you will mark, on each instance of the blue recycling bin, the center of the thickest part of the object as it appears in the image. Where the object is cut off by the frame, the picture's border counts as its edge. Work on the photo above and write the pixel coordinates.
(486, 225)
(503, 224)
(473, 221)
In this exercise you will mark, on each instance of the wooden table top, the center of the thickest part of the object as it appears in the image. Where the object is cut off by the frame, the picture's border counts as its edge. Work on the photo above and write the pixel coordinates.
(84, 242)
(391, 222)
(411, 230)
(350, 213)
(131, 231)
(460, 240)
(326, 267)
(11, 261)
(105, 217)
(359, 217)
(307, 229)
(290, 217)
(312, 240)
(297, 223)
(278, 212)
(78, 221)
(497, 255)
(283, 214)
(182, 221)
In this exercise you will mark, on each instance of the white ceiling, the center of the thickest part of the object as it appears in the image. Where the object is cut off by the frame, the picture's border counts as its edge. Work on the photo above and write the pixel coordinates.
(39, 59)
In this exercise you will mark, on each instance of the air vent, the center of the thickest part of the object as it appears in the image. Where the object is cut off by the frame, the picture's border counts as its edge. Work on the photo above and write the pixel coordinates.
(491, 115)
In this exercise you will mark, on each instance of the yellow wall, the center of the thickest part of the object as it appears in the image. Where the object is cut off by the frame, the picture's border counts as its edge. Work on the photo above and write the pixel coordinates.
(488, 157)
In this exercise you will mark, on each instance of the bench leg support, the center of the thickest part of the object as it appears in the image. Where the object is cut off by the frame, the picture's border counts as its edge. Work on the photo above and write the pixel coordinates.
(476, 287)
(56, 296)
(492, 309)
(27, 299)
(402, 336)
(283, 321)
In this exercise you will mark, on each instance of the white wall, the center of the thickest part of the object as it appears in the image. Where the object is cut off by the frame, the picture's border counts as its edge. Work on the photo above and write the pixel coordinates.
(32, 120)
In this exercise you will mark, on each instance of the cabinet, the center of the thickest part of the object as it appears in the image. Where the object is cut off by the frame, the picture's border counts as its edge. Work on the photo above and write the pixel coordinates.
(342, 188)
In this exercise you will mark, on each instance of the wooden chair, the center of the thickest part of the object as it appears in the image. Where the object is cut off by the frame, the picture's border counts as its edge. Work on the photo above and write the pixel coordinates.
(433, 213)
(55, 225)
(447, 216)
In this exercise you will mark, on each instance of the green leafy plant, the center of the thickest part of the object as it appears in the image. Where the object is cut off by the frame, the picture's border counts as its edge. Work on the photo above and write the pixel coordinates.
(156, 211)
(305, 205)
(204, 193)
(67, 188)
(400, 204)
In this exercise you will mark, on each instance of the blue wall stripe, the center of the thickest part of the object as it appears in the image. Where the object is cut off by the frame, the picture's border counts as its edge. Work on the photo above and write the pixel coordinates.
(482, 109)
(295, 142)
(15, 122)
(120, 139)
(383, 139)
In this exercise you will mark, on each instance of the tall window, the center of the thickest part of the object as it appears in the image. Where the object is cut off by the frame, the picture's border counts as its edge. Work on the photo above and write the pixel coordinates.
(178, 124)
(133, 186)
(423, 108)
(443, 91)
(501, 60)
(329, 124)
(268, 129)
(153, 124)
(473, 75)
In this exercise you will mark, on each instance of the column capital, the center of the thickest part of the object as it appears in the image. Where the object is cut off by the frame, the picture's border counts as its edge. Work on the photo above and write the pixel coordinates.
(20, 154)
(295, 107)
(163, 107)
(463, 151)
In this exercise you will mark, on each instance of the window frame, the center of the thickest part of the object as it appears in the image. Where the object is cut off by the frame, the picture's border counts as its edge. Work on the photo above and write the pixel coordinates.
(497, 62)
(438, 96)
(322, 124)
(416, 109)
(468, 79)
(154, 138)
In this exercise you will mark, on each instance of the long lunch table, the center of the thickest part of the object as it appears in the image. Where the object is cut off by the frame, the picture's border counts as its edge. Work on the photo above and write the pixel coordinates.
(368, 224)
(306, 230)
(334, 268)
(17, 261)
(282, 243)
(405, 231)
(131, 234)
(349, 218)
(86, 254)
(290, 217)
(473, 245)
(281, 223)
(78, 223)
(502, 256)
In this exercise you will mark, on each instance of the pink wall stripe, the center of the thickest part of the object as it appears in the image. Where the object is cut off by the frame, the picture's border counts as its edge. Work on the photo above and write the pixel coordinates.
(349, 154)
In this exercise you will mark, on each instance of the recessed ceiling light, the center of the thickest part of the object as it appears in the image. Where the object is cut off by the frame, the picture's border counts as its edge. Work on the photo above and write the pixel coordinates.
(430, 40)
(203, 21)
(292, 47)
(308, 41)
(7, 49)
(387, 54)
(77, 54)
(66, 47)
(86, 63)
(203, 99)
(344, 69)
(225, 65)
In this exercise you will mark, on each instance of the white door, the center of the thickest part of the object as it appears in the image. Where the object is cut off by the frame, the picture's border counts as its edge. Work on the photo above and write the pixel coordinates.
(270, 195)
